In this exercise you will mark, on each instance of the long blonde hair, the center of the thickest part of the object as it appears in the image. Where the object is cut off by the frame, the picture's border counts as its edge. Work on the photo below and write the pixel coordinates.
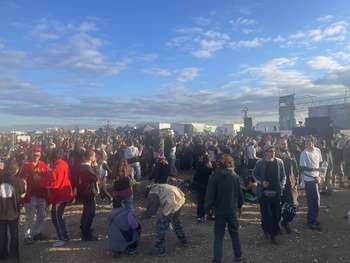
(121, 169)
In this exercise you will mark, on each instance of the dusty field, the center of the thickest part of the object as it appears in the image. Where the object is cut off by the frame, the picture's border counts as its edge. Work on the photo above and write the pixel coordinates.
(329, 245)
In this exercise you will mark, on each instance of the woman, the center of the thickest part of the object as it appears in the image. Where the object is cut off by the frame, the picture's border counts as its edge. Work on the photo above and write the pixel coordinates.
(123, 190)
(12, 189)
(104, 170)
(203, 170)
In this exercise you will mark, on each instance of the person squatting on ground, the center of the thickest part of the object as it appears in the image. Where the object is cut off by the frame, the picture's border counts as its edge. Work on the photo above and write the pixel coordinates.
(310, 163)
(122, 190)
(35, 200)
(124, 232)
(170, 199)
(87, 192)
(271, 178)
(58, 181)
(11, 190)
(204, 169)
(225, 196)
(290, 193)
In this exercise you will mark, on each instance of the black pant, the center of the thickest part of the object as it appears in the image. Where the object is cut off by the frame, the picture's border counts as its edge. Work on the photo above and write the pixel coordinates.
(270, 210)
(13, 226)
(200, 201)
(89, 207)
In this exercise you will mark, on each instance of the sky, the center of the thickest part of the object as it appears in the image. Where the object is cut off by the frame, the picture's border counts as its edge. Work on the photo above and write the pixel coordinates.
(67, 63)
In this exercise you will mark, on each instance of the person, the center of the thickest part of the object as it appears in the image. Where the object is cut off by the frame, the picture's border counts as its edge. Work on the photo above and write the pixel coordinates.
(327, 186)
(104, 171)
(270, 175)
(338, 157)
(13, 189)
(132, 154)
(58, 181)
(251, 154)
(310, 162)
(171, 200)
(204, 169)
(161, 169)
(290, 193)
(347, 161)
(224, 195)
(35, 200)
(124, 232)
(122, 190)
(87, 191)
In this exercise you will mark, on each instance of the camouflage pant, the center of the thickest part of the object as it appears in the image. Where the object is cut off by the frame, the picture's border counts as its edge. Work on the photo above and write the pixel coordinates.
(163, 224)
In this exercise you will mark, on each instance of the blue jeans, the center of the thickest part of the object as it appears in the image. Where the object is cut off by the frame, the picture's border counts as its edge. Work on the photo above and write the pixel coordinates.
(135, 171)
(37, 205)
(128, 203)
(58, 221)
(313, 200)
(219, 231)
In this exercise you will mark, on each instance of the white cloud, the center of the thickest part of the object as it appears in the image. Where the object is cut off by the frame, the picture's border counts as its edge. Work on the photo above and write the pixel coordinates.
(255, 42)
(243, 22)
(181, 75)
(157, 72)
(323, 62)
(325, 18)
(187, 74)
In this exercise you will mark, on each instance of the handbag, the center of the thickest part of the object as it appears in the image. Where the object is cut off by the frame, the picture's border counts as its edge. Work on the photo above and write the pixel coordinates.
(270, 193)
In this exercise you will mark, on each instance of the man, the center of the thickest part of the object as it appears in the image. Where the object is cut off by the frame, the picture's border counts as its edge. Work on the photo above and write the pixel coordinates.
(170, 199)
(87, 192)
(338, 157)
(251, 154)
(132, 154)
(347, 161)
(327, 187)
(270, 175)
(12, 188)
(57, 180)
(290, 192)
(224, 194)
(35, 200)
(310, 161)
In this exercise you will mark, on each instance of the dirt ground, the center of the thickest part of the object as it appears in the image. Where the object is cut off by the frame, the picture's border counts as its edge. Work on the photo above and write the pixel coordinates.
(303, 245)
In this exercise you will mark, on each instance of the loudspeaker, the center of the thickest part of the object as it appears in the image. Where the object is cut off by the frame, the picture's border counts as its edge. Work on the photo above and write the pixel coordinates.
(317, 122)
(248, 122)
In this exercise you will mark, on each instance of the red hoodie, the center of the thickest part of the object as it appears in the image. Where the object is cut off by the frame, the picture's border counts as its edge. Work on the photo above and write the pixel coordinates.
(33, 188)
(58, 182)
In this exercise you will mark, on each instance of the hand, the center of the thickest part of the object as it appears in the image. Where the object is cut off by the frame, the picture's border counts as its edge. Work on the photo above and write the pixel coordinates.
(36, 177)
(239, 212)
(265, 184)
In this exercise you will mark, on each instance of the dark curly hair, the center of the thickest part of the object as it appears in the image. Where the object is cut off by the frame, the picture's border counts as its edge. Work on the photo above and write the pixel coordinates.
(225, 161)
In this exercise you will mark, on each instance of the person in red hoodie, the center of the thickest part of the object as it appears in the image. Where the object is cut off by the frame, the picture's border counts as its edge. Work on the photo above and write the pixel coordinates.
(35, 200)
(58, 181)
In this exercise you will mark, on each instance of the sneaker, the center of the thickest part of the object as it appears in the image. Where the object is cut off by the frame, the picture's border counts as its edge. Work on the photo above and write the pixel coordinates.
(314, 226)
(273, 240)
(89, 238)
(184, 243)
(40, 236)
(286, 227)
(199, 220)
(156, 253)
(132, 251)
(238, 259)
(59, 243)
(29, 241)
(116, 254)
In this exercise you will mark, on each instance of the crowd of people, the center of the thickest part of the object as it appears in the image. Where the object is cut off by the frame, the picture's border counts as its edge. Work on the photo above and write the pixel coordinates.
(61, 169)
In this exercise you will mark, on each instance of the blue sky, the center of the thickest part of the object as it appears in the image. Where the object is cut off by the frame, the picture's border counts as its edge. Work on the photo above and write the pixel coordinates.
(66, 63)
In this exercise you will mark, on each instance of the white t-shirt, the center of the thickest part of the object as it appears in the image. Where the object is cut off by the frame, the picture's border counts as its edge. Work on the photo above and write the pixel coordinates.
(311, 159)
(251, 152)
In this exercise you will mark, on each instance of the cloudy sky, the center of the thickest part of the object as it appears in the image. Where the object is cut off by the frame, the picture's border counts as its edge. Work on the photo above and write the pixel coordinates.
(65, 63)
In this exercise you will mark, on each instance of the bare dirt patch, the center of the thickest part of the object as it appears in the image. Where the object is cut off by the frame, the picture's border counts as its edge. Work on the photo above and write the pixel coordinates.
(326, 246)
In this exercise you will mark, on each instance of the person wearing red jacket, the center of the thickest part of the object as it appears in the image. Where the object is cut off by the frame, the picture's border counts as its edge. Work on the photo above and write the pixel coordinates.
(35, 200)
(58, 181)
